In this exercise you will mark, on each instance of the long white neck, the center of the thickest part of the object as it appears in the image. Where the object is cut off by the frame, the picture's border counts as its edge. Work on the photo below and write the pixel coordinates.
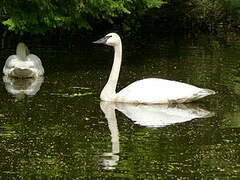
(109, 91)
(22, 51)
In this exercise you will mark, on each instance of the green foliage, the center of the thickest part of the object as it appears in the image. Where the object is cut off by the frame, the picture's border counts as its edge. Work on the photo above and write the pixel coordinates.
(152, 3)
(38, 16)
(211, 13)
(235, 3)
(199, 15)
(205, 12)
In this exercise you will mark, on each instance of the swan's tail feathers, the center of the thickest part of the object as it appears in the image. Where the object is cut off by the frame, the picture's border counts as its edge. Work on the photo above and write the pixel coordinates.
(206, 92)
(22, 50)
(203, 93)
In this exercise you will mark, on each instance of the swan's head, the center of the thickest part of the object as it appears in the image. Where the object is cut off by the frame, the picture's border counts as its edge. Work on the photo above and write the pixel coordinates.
(111, 39)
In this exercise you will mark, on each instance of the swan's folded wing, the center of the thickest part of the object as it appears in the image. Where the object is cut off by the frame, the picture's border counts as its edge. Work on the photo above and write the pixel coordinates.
(155, 90)
(9, 64)
(37, 64)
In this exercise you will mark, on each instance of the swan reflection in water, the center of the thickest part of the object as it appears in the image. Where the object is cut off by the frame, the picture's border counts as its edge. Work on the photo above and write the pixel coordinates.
(111, 158)
(162, 115)
(145, 115)
(22, 87)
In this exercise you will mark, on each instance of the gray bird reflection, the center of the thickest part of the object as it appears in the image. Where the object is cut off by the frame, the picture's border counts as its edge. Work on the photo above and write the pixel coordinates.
(145, 115)
(22, 87)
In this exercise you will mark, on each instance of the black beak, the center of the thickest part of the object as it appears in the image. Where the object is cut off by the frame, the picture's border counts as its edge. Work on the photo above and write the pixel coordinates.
(102, 40)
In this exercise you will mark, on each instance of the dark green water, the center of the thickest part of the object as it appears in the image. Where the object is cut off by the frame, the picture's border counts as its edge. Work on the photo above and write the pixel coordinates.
(62, 132)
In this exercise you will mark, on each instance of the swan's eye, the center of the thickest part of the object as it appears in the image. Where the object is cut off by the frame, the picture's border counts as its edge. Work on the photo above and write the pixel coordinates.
(107, 37)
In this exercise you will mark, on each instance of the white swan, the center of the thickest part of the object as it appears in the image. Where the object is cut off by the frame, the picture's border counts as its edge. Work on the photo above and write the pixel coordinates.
(147, 91)
(23, 64)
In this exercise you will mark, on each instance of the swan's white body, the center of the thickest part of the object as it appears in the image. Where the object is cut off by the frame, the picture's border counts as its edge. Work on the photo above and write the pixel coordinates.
(148, 91)
(154, 90)
(23, 64)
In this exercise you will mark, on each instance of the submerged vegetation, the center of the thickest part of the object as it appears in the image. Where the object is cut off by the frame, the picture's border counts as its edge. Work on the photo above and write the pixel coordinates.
(40, 16)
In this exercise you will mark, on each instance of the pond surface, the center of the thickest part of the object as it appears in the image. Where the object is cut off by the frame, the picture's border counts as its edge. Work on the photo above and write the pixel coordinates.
(61, 130)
